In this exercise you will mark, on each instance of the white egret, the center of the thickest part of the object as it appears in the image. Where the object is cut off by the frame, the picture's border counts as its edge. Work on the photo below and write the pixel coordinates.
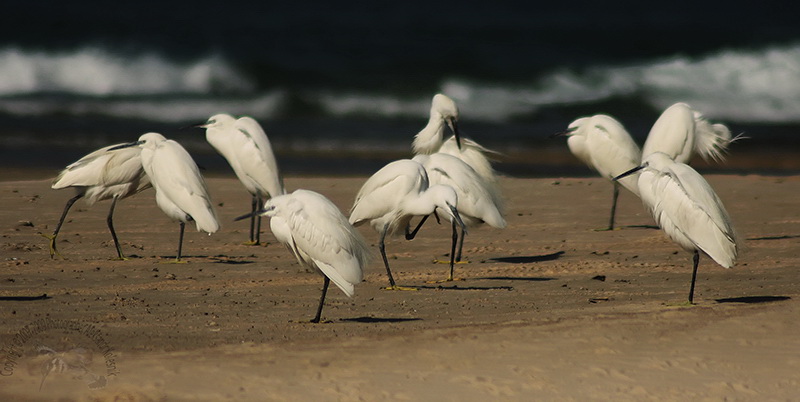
(103, 174)
(247, 149)
(320, 237)
(393, 196)
(181, 191)
(602, 143)
(444, 112)
(687, 209)
(680, 132)
(477, 203)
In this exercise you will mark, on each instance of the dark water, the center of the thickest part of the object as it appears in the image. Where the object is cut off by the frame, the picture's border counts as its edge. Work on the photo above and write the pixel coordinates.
(352, 82)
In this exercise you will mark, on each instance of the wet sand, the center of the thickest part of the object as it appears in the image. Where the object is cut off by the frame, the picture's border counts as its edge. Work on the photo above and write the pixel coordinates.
(547, 309)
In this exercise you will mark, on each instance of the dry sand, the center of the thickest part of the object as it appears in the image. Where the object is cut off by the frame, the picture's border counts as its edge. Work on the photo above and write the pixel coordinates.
(548, 309)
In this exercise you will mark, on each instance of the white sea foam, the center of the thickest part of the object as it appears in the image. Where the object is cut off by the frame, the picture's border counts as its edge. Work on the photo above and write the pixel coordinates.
(760, 85)
(98, 72)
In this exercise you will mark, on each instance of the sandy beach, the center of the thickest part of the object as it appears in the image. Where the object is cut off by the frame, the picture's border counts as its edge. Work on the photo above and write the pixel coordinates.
(546, 309)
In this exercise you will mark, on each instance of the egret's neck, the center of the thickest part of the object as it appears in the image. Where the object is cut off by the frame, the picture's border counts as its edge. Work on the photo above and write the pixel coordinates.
(429, 140)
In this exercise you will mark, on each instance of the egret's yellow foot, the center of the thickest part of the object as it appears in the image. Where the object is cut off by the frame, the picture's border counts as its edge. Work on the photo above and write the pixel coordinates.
(438, 261)
(682, 304)
(53, 249)
(395, 287)
(605, 229)
(251, 243)
(446, 280)
(175, 261)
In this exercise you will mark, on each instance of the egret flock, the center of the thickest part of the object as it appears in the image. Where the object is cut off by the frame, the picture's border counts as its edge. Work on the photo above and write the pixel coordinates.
(448, 177)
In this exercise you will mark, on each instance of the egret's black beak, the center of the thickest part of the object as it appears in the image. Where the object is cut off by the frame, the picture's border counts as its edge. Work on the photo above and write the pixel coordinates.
(255, 213)
(628, 173)
(458, 218)
(453, 124)
(128, 145)
(563, 133)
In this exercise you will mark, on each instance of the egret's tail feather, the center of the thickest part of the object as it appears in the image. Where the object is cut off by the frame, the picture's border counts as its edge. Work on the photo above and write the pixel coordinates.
(712, 140)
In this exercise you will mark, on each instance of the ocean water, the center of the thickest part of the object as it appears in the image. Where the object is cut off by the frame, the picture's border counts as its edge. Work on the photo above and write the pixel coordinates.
(348, 84)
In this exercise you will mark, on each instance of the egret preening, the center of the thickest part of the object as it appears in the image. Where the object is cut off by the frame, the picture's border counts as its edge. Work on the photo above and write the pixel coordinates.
(394, 195)
(100, 175)
(181, 191)
(687, 209)
(245, 146)
(602, 143)
(320, 237)
(444, 113)
(680, 132)
(477, 203)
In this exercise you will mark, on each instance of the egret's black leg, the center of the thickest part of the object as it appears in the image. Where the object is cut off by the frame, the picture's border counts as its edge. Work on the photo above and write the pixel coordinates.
(180, 242)
(53, 250)
(410, 236)
(613, 207)
(254, 208)
(382, 247)
(322, 300)
(110, 222)
(696, 261)
(259, 205)
(453, 250)
(460, 245)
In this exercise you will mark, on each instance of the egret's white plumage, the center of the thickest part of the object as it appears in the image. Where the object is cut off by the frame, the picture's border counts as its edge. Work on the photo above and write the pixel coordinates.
(320, 237)
(602, 143)
(395, 194)
(680, 132)
(181, 191)
(477, 202)
(688, 210)
(245, 146)
(444, 113)
(106, 173)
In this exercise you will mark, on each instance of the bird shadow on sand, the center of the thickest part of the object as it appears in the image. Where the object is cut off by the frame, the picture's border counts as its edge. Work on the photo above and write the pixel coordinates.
(753, 299)
(25, 298)
(774, 237)
(221, 259)
(456, 287)
(378, 320)
(641, 227)
(518, 278)
(528, 259)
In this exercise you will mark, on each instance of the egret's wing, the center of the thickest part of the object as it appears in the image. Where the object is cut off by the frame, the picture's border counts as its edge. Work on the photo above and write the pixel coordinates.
(682, 200)
(178, 177)
(322, 234)
(475, 196)
(384, 189)
(613, 152)
(473, 154)
(88, 170)
(256, 158)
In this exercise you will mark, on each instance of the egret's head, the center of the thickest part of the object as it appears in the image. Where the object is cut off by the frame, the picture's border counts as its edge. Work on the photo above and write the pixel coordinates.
(218, 120)
(446, 200)
(149, 140)
(657, 161)
(446, 109)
